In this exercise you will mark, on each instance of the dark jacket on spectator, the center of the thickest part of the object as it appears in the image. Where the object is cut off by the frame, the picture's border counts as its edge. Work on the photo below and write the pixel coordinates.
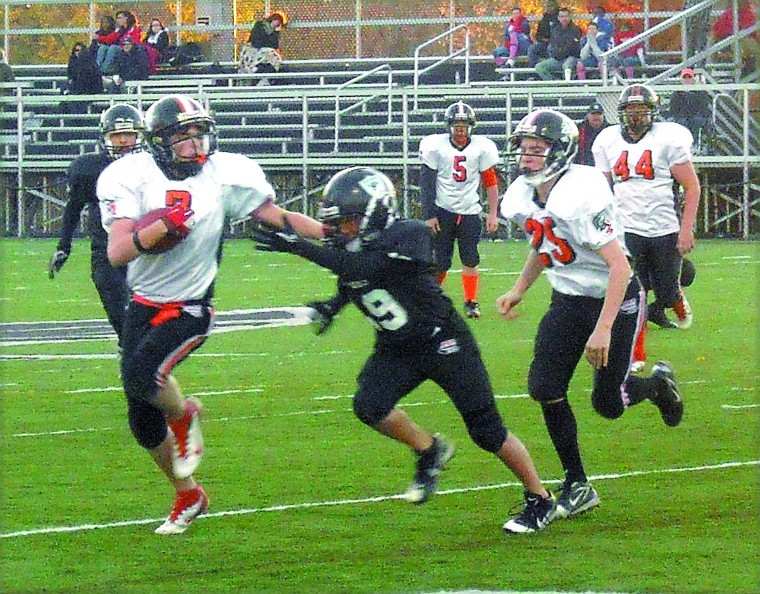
(83, 74)
(546, 25)
(264, 35)
(565, 41)
(685, 104)
(586, 137)
(133, 65)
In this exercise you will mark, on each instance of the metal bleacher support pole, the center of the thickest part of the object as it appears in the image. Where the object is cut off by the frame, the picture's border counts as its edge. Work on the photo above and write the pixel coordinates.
(20, 157)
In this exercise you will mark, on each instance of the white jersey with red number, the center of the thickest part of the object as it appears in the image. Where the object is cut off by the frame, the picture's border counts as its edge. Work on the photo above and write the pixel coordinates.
(578, 219)
(229, 187)
(642, 182)
(458, 181)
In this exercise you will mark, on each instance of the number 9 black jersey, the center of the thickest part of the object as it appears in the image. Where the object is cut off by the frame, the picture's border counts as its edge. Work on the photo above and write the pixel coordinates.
(391, 281)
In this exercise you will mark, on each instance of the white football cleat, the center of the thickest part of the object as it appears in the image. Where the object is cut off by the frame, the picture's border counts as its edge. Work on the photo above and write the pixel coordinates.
(188, 505)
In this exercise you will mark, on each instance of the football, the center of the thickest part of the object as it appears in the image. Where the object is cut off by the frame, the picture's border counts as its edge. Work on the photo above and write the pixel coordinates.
(165, 243)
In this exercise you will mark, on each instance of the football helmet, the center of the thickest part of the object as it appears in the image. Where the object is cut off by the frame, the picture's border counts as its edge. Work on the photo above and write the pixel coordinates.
(638, 94)
(553, 127)
(170, 115)
(117, 119)
(460, 112)
(363, 193)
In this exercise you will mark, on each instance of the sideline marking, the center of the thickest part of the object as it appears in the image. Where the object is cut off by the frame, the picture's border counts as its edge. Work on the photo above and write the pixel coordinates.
(376, 499)
(739, 406)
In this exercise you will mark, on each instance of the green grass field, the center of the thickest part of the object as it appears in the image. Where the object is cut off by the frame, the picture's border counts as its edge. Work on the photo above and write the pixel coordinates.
(304, 497)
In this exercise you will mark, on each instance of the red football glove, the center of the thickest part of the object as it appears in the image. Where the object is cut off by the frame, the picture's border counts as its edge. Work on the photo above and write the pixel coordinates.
(178, 220)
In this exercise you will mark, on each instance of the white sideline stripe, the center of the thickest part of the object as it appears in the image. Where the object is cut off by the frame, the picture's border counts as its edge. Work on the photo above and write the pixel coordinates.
(376, 499)
(85, 356)
(120, 389)
(739, 406)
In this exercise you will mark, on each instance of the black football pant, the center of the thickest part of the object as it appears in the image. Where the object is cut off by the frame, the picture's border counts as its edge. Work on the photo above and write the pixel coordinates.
(452, 362)
(658, 264)
(155, 340)
(111, 284)
(465, 230)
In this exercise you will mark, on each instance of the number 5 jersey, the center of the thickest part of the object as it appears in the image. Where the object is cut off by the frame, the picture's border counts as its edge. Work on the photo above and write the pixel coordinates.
(578, 218)
(642, 182)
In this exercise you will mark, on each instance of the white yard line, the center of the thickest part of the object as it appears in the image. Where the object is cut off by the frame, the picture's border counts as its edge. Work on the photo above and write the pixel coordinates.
(360, 501)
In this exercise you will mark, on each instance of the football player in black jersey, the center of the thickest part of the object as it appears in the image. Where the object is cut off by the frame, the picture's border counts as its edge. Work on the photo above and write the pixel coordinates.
(121, 132)
(385, 267)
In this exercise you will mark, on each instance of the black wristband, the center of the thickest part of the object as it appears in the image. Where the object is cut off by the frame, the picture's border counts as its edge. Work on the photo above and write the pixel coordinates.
(140, 247)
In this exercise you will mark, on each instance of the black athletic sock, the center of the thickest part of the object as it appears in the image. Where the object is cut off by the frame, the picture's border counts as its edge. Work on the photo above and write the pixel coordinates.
(563, 430)
(640, 388)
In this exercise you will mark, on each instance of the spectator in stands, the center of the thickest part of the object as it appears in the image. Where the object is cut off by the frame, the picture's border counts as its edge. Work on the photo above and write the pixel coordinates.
(540, 47)
(83, 77)
(750, 45)
(6, 72)
(6, 76)
(262, 52)
(105, 44)
(516, 39)
(126, 24)
(605, 25)
(588, 130)
(156, 43)
(690, 108)
(630, 58)
(564, 49)
(593, 44)
(131, 64)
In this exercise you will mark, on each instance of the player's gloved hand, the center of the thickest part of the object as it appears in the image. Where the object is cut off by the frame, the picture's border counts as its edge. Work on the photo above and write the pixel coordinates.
(323, 316)
(277, 240)
(178, 220)
(57, 261)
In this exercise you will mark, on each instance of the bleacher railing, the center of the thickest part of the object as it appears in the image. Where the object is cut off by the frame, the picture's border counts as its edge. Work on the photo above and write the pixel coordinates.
(310, 137)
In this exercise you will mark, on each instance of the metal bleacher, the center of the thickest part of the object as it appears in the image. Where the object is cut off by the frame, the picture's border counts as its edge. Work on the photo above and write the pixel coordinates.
(310, 120)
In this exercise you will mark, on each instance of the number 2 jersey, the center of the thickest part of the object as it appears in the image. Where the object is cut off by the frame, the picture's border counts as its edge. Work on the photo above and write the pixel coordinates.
(458, 170)
(642, 182)
(229, 187)
(578, 219)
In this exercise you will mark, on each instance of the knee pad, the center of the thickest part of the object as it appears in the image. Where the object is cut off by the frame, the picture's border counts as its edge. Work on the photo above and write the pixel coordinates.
(486, 428)
(147, 423)
(542, 389)
(470, 257)
(368, 411)
(139, 381)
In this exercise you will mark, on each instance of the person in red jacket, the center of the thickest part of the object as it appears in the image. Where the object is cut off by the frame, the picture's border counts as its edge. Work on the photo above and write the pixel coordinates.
(516, 39)
(630, 58)
(750, 45)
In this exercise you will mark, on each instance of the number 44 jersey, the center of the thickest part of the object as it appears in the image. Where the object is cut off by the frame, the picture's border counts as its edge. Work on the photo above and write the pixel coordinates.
(640, 171)
(578, 219)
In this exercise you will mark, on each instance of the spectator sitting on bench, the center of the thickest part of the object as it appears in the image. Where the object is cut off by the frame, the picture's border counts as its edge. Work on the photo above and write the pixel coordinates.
(156, 42)
(593, 44)
(564, 49)
(540, 46)
(83, 77)
(629, 58)
(131, 64)
(691, 108)
(516, 40)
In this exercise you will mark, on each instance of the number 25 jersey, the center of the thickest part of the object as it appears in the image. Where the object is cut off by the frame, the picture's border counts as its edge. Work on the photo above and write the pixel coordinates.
(578, 219)
(642, 182)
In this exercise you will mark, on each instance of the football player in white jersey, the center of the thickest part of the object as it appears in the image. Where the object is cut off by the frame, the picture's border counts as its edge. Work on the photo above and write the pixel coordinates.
(170, 314)
(642, 158)
(453, 167)
(569, 217)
